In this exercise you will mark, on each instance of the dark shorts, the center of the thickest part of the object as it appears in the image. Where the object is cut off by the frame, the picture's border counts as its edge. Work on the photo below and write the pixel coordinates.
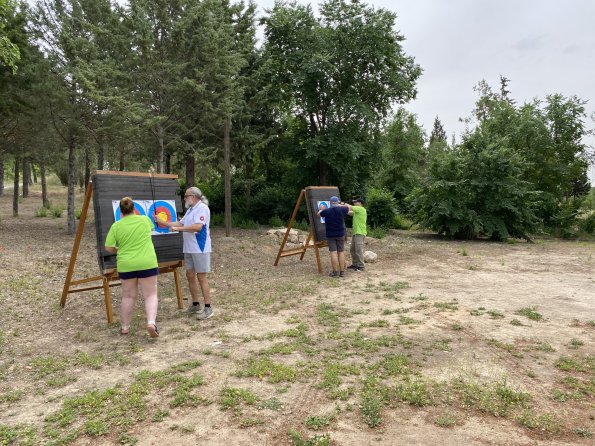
(336, 244)
(143, 274)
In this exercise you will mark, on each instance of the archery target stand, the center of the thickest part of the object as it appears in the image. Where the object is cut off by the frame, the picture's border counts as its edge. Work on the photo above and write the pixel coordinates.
(167, 263)
(315, 197)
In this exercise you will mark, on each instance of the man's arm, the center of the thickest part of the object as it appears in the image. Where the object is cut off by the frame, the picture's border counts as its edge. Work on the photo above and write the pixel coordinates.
(169, 224)
(197, 227)
(111, 249)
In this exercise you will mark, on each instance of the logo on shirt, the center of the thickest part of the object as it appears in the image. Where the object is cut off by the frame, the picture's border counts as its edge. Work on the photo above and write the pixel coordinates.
(202, 218)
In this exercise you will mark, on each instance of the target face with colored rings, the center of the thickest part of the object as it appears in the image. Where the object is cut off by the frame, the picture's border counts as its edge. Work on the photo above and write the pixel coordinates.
(138, 210)
(165, 211)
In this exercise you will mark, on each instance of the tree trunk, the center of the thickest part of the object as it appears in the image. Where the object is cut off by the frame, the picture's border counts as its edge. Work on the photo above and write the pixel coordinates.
(190, 170)
(122, 161)
(227, 175)
(322, 172)
(15, 192)
(26, 175)
(100, 154)
(167, 162)
(1, 174)
(71, 185)
(44, 187)
(87, 169)
(161, 157)
(34, 171)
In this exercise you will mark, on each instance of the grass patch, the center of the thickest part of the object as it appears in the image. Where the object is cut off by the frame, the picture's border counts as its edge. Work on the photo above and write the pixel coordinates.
(529, 313)
(318, 440)
(446, 419)
(317, 423)
(21, 434)
(41, 212)
(543, 422)
(516, 323)
(450, 306)
(99, 412)
(266, 368)
(576, 364)
(495, 314)
(232, 398)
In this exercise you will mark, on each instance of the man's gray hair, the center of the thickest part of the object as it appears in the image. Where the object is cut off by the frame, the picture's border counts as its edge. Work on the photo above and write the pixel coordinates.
(198, 194)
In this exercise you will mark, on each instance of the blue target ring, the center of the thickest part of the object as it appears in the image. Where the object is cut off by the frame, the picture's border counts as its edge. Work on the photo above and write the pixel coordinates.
(165, 209)
(138, 210)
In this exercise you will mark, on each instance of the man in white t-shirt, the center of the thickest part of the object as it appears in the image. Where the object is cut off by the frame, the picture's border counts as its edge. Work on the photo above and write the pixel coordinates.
(195, 228)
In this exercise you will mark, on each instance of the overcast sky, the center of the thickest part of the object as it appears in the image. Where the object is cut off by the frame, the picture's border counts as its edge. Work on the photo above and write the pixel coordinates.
(542, 46)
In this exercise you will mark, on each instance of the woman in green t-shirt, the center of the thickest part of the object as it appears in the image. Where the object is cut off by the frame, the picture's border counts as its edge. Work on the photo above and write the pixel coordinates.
(130, 237)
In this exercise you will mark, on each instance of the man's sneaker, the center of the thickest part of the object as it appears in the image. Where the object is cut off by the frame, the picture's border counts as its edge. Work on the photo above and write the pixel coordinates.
(360, 269)
(342, 274)
(333, 274)
(193, 309)
(352, 267)
(206, 314)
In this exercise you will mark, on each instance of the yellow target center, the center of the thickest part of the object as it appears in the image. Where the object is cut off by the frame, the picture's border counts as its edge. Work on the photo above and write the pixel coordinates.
(162, 216)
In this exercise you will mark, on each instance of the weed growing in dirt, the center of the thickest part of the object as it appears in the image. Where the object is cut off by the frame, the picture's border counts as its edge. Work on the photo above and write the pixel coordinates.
(495, 314)
(516, 323)
(318, 440)
(98, 412)
(446, 419)
(576, 364)
(232, 398)
(41, 212)
(271, 404)
(545, 422)
(582, 432)
(266, 368)
(530, 313)
(576, 343)
(21, 434)
(450, 306)
(316, 423)
(11, 396)
(510, 348)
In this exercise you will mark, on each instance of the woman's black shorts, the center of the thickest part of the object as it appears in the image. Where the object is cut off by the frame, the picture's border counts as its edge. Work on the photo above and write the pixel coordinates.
(139, 274)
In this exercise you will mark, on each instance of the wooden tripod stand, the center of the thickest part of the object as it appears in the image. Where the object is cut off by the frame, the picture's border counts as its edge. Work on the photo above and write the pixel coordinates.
(310, 240)
(109, 278)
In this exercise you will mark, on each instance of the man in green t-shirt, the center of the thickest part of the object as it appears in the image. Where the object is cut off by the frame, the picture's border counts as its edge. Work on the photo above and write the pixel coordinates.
(359, 232)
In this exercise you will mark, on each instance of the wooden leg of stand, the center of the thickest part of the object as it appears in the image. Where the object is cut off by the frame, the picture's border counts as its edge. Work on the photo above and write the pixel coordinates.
(318, 258)
(306, 245)
(108, 300)
(178, 288)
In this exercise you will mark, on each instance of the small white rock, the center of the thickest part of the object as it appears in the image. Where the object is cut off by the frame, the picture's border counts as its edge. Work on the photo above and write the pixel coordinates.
(370, 257)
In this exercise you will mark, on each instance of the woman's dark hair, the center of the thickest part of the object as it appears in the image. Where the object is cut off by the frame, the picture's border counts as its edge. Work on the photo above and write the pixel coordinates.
(126, 205)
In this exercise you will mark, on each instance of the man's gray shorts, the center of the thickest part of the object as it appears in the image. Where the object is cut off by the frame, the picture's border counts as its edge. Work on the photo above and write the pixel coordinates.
(336, 244)
(199, 262)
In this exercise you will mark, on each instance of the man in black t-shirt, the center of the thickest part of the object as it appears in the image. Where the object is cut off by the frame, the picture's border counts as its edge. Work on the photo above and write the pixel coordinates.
(335, 234)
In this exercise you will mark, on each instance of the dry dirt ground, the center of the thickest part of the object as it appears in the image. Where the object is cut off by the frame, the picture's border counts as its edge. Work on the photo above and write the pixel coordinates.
(440, 342)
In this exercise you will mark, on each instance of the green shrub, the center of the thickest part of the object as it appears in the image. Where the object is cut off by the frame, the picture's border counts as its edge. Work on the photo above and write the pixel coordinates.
(381, 208)
(77, 213)
(477, 189)
(400, 222)
(377, 233)
(588, 224)
(276, 222)
(57, 212)
(41, 212)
